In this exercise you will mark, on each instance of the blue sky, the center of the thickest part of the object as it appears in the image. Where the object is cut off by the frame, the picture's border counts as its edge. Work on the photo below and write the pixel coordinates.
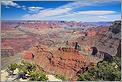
(83, 10)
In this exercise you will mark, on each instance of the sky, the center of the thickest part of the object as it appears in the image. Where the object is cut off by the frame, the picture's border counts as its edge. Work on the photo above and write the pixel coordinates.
(82, 10)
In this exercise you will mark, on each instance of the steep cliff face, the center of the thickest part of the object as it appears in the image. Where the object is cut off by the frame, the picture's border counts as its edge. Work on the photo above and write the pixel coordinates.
(110, 40)
(63, 61)
(119, 51)
(115, 29)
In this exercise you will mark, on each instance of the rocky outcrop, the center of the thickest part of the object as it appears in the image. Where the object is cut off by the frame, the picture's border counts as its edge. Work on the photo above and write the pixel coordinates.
(110, 41)
(28, 55)
(64, 61)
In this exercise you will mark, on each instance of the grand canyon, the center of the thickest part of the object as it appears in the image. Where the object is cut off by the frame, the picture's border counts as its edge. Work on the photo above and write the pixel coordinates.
(59, 47)
(57, 40)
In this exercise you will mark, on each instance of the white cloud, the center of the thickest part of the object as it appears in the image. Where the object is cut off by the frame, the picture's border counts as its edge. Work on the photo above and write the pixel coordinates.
(47, 13)
(84, 18)
(18, 6)
(8, 3)
(106, 16)
(58, 13)
(94, 12)
(24, 7)
(102, 17)
(29, 9)
(11, 3)
(34, 9)
(83, 3)
(51, 12)
(67, 12)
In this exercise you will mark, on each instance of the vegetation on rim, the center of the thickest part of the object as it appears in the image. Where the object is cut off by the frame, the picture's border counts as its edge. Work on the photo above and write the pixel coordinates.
(105, 71)
(28, 71)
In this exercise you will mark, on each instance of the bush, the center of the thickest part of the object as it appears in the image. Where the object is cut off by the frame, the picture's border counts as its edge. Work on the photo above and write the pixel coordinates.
(60, 77)
(28, 70)
(38, 76)
(12, 67)
(28, 66)
(23, 69)
(107, 71)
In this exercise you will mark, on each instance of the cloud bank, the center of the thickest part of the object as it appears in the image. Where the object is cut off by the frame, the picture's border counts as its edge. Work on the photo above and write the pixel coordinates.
(67, 12)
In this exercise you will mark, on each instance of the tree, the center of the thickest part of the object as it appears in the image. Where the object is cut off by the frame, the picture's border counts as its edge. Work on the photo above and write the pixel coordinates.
(106, 71)
(12, 67)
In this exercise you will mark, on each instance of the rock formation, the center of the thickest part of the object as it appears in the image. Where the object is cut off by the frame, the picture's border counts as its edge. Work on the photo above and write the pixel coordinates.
(110, 41)
(64, 61)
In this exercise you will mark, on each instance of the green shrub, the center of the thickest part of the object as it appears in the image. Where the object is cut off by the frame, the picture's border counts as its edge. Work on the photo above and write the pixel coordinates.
(28, 66)
(60, 77)
(38, 76)
(11, 68)
(107, 71)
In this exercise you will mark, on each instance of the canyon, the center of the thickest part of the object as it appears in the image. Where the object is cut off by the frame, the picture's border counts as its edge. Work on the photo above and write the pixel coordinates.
(59, 47)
